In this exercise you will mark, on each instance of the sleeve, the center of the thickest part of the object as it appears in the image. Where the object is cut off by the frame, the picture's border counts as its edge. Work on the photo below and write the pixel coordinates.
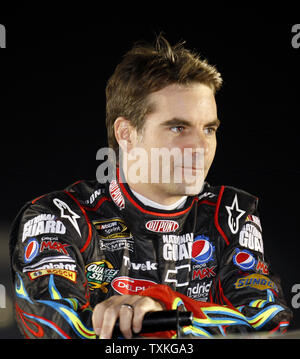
(245, 279)
(49, 284)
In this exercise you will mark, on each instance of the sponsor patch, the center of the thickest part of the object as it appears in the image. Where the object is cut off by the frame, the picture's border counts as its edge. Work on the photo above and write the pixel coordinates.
(116, 245)
(262, 267)
(234, 215)
(244, 260)
(68, 274)
(206, 272)
(256, 281)
(254, 219)
(100, 274)
(41, 224)
(127, 285)
(53, 244)
(56, 262)
(179, 275)
(177, 247)
(112, 228)
(209, 195)
(66, 212)
(202, 250)
(116, 194)
(146, 266)
(250, 237)
(93, 196)
(162, 226)
(31, 250)
(200, 291)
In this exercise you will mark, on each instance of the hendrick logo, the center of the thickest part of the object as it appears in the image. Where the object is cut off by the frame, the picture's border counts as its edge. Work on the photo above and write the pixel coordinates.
(162, 226)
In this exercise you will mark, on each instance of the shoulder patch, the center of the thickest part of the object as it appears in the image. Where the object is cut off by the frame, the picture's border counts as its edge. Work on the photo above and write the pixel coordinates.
(233, 207)
(234, 215)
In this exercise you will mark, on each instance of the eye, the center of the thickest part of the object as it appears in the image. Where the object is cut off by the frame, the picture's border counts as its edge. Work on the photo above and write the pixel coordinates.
(210, 130)
(177, 129)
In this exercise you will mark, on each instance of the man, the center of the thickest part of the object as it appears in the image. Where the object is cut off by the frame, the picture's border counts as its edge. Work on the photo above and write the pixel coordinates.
(149, 239)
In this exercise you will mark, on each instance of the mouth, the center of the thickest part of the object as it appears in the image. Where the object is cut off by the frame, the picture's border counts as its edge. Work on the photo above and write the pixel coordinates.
(190, 172)
(192, 168)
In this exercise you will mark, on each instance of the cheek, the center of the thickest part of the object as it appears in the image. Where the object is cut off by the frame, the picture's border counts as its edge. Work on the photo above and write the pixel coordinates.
(214, 146)
(154, 139)
(211, 151)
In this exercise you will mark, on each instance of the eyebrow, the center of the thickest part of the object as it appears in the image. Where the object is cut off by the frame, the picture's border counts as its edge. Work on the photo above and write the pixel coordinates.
(175, 121)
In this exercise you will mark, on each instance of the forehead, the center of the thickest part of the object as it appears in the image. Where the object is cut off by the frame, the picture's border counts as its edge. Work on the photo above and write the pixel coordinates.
(193, 100)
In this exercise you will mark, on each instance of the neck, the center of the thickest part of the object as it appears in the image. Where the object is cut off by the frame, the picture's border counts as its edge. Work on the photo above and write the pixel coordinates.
(154, 195)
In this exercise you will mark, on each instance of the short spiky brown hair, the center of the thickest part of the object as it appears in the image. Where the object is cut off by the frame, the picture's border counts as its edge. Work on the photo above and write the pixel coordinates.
(146, 69)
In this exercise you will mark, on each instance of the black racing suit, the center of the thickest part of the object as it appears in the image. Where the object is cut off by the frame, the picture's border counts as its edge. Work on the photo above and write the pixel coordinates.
(72, 249)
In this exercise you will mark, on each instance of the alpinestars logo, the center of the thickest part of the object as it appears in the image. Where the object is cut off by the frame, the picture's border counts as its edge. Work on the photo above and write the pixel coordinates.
(66, 212)
(235, 213)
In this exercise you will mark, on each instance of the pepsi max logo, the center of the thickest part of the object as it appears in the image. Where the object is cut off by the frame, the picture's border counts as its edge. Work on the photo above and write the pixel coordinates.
(31, 250)
(202, 250)
(244, 260)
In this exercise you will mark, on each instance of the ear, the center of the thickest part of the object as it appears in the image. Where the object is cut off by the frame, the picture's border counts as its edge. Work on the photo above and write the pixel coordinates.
(125, 133)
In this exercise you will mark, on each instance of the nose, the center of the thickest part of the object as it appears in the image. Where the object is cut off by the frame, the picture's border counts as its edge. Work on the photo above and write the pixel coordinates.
(197, 149)
(200, 141)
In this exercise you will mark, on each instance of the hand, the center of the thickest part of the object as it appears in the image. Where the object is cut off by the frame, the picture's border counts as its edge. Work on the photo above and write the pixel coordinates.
(130, 317)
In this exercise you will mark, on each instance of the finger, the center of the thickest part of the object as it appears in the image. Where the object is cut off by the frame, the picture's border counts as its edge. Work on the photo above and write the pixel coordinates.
(141, 307)
(110, 316)
(97, 317)
(125, 320)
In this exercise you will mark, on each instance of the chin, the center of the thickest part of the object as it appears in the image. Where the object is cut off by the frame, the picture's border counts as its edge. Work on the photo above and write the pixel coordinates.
(190, 183)
(185, 189)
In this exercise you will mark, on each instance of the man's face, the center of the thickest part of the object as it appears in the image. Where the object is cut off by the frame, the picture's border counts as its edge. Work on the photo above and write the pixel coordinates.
(183, 118)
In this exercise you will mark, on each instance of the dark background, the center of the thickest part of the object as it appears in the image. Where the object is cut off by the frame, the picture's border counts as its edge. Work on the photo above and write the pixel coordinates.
(52, 107)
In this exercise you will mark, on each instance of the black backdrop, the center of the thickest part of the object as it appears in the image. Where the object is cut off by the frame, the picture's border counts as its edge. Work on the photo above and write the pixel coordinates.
(52, 106)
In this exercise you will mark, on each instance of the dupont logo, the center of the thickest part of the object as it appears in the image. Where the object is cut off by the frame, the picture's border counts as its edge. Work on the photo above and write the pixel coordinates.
(127, 285)
(162, 226)
(116, 194)
(2, 37)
